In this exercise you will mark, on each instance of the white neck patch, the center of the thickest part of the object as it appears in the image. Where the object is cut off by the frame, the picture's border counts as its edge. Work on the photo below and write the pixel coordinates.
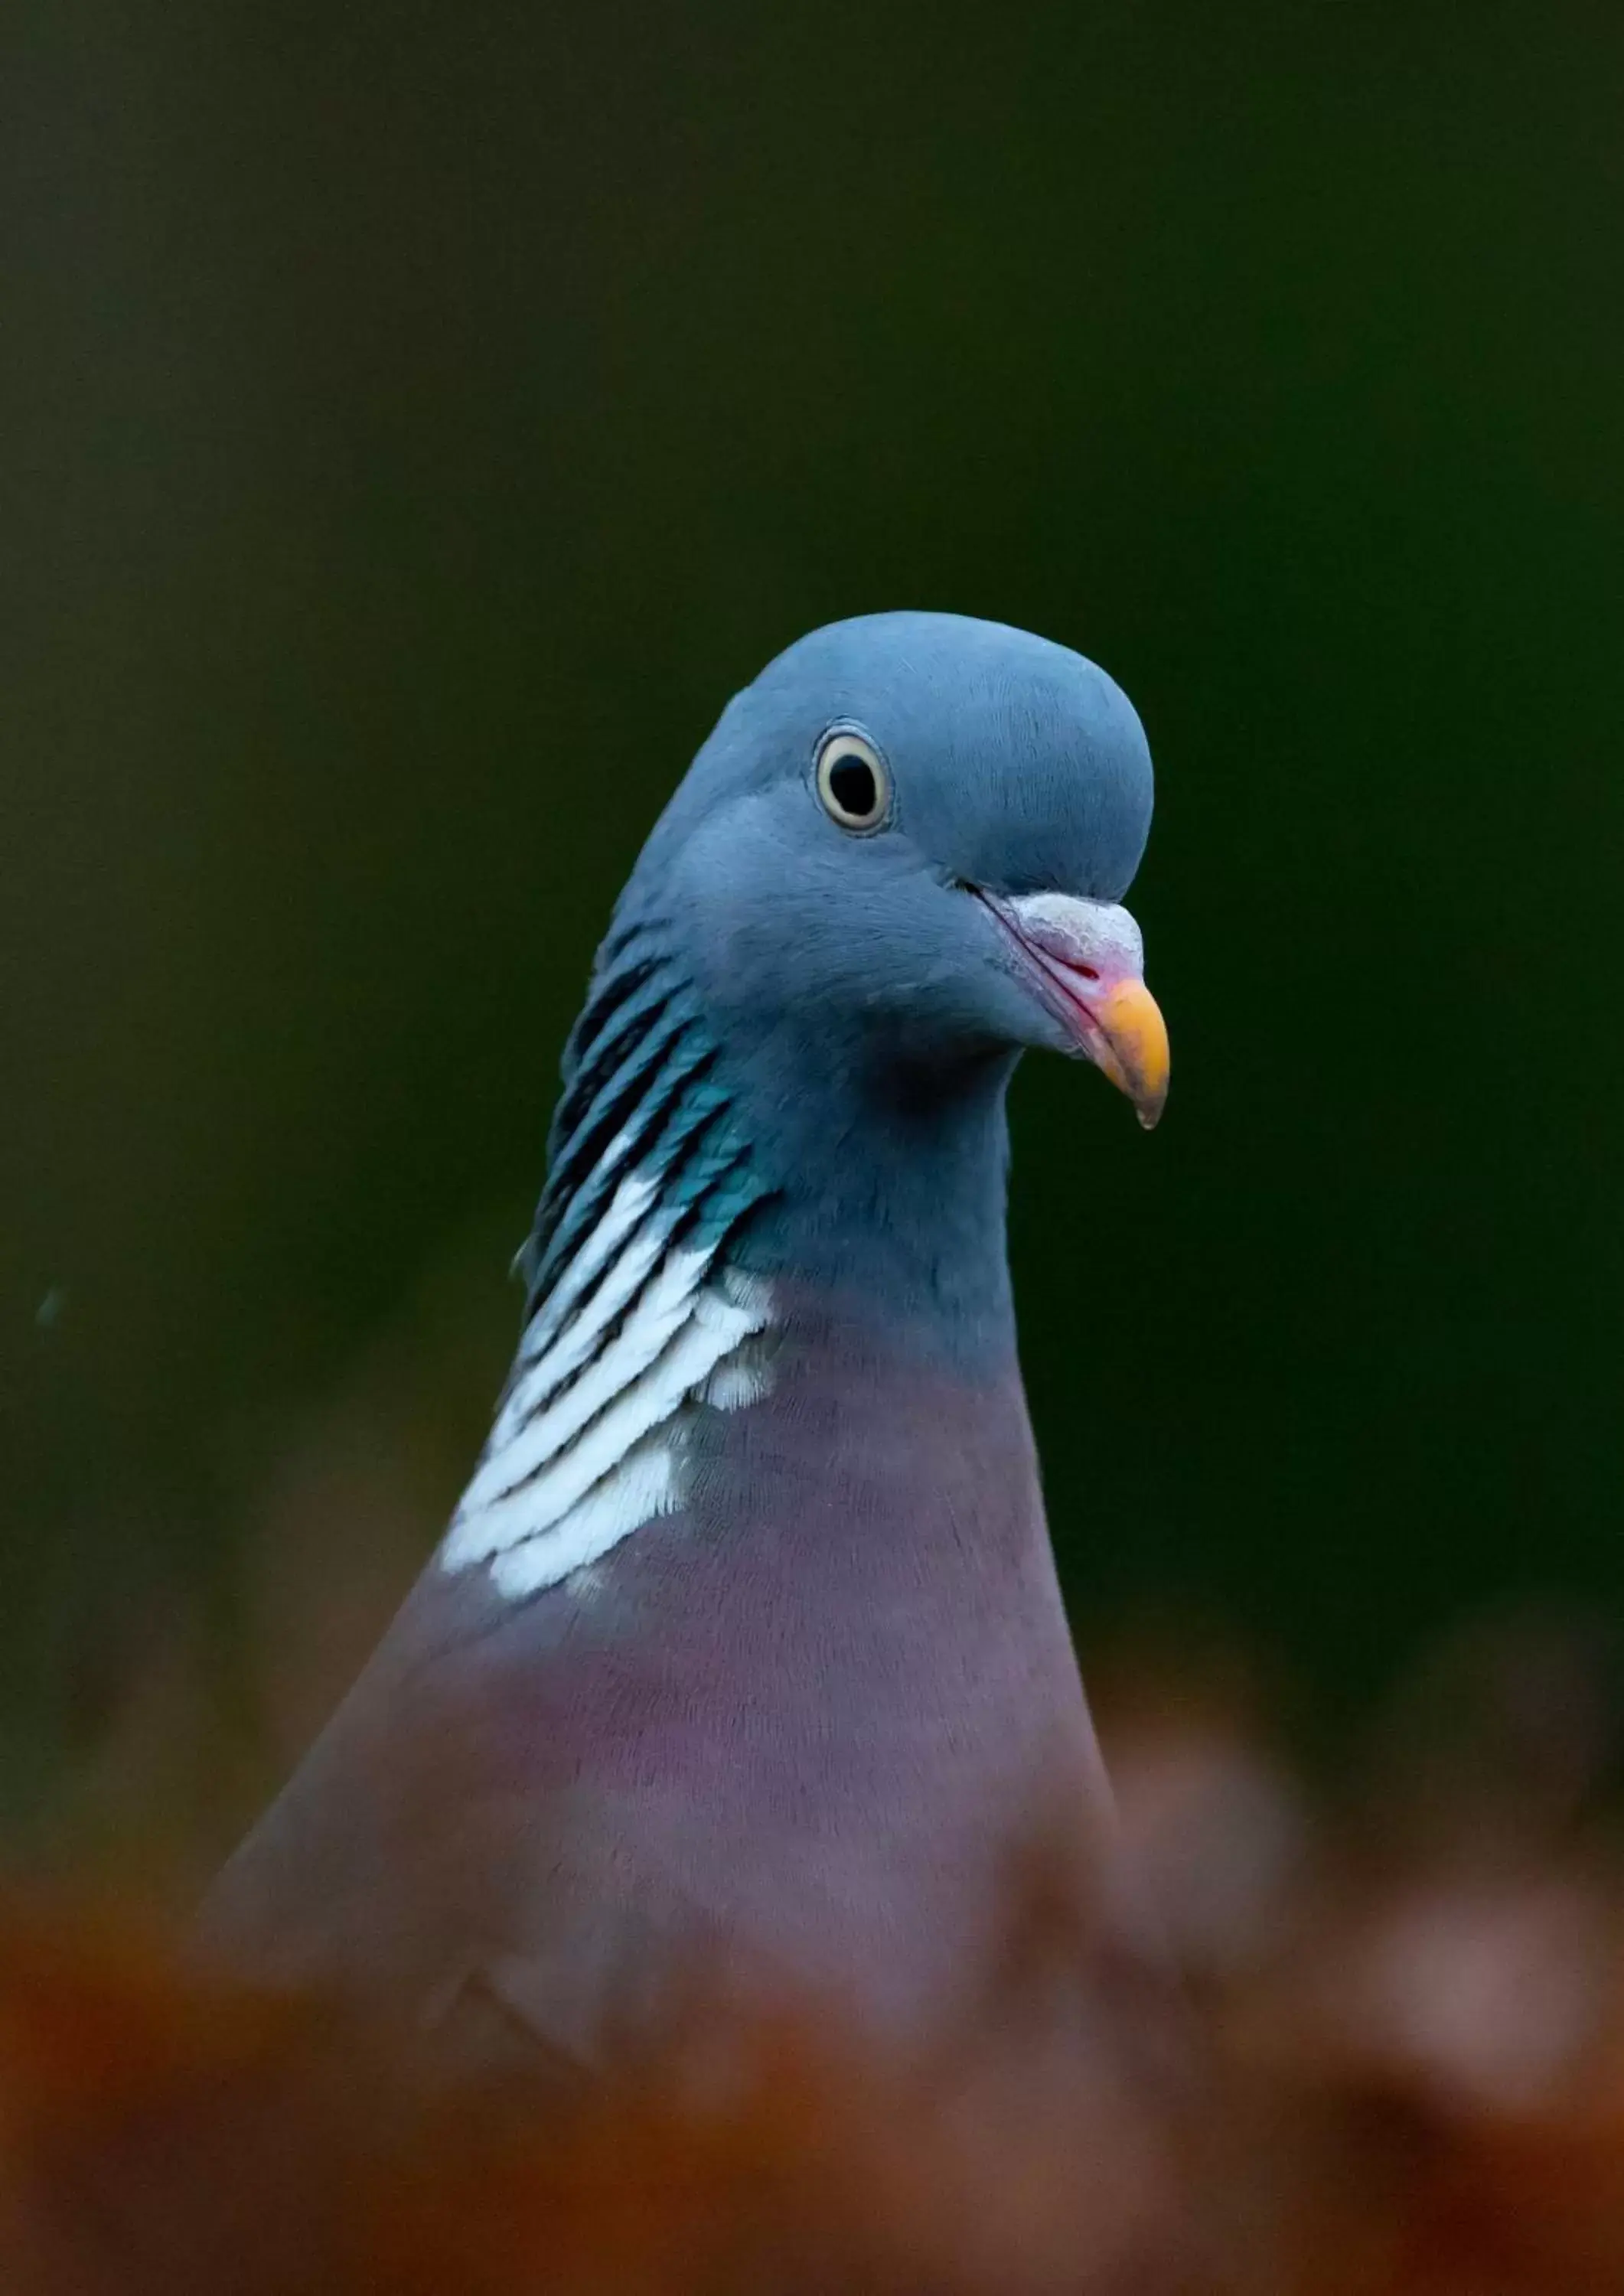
(637, 1334)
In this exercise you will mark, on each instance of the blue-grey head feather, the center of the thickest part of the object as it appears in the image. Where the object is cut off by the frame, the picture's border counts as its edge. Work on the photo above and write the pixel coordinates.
(1019, 763)
(806, 1034)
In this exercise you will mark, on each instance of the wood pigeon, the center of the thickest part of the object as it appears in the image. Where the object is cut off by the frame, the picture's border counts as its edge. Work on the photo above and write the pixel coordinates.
(746, 1637)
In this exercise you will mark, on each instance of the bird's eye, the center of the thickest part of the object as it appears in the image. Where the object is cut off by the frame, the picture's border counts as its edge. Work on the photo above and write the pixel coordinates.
(853, 785)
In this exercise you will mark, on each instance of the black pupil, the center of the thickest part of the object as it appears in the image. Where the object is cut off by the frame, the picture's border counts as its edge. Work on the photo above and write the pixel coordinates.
(851, 785)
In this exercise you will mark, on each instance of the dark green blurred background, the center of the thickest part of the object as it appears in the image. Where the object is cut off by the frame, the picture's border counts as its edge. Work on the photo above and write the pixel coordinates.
(421, 418)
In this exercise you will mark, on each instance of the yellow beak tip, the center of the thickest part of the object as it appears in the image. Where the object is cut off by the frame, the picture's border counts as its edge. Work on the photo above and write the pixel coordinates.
(1134, 1053)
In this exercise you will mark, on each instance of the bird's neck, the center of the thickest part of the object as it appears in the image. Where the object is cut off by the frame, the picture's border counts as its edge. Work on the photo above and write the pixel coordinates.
(720, 1215)
(889, 1181)
(851, 1164)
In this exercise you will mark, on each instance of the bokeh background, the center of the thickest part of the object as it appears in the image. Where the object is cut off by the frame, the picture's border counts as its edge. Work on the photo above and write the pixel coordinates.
(421, 418)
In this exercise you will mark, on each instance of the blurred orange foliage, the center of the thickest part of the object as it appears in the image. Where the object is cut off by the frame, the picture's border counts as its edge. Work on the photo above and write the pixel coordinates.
(1391, 2064)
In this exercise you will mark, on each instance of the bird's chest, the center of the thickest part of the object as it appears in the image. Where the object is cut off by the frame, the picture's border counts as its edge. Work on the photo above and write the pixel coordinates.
(817, 1705)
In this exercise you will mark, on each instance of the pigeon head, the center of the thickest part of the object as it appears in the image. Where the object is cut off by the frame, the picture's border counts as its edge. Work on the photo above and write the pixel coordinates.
(907, 844)
(896, 863)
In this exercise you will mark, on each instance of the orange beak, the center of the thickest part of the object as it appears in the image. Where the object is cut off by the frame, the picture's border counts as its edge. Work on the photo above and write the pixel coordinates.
(1131, 1047)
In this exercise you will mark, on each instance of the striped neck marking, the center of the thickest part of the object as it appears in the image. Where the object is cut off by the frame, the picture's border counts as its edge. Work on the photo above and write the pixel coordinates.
(639, 1323)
